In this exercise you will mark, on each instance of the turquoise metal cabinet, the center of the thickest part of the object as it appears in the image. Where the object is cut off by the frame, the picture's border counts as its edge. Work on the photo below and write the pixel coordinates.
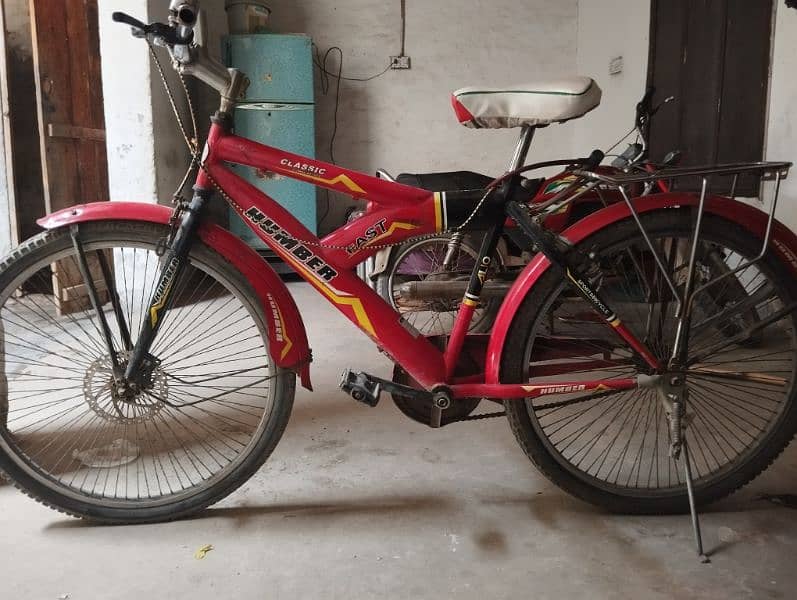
(279, 110)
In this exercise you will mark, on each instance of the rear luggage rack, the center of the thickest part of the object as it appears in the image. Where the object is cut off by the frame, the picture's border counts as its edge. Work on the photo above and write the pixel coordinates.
(772, 170)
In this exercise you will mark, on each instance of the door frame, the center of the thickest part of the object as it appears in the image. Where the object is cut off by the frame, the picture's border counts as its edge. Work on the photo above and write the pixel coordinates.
(767, 100)
(5, 113)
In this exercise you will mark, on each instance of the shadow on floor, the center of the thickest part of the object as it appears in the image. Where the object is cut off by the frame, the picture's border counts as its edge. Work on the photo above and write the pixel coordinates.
(387, 506)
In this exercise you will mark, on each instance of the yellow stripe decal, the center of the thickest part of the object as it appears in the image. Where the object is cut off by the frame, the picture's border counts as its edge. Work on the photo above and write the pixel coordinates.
(438, 211)
(391, 230)
(288, 343)
(469, 302)
(615, 322)
(355, 303)
(344, 179)
(153, 311)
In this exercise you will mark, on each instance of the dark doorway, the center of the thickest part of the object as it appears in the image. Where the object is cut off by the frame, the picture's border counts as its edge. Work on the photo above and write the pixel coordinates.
(713, 57)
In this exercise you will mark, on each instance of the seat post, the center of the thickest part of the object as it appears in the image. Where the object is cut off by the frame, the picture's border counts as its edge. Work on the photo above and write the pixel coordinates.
(522, 148)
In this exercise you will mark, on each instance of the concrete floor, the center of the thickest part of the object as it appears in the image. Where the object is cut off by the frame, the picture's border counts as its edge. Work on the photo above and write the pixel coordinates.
(364, 503)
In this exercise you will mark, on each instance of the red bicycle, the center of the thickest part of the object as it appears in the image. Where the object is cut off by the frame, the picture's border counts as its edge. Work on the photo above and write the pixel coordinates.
(149, 357)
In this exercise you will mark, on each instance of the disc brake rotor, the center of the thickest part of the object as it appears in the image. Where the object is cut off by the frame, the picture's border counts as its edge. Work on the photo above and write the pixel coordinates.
(100, 393)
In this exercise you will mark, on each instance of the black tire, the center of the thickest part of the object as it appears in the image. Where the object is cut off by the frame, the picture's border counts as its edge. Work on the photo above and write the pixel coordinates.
(50, 490)
(545, 441)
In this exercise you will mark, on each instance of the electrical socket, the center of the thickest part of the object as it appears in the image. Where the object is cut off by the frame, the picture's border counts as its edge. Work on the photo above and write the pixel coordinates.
(400, 62)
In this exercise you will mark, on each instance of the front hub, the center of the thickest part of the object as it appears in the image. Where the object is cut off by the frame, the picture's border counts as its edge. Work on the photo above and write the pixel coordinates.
(124, 401)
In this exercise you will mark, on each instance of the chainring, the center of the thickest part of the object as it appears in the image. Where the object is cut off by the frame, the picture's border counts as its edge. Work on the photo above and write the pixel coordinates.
(420, 409)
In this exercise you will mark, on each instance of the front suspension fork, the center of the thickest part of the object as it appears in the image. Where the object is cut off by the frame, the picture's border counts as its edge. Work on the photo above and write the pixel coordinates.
(172, 267)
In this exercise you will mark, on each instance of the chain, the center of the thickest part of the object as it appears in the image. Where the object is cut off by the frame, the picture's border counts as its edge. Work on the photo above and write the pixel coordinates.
(491, 415)
(192, 143)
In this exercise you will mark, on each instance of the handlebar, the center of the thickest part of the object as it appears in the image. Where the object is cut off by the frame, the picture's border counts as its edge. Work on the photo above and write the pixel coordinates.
(120, 17)
(188, 52)
(160, 33)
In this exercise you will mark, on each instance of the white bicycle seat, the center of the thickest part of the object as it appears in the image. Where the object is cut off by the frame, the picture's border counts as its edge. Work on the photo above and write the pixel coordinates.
(534, 104)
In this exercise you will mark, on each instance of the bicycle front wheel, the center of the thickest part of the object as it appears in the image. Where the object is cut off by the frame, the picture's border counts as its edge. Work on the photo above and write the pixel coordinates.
(612, 448)
(211, 412)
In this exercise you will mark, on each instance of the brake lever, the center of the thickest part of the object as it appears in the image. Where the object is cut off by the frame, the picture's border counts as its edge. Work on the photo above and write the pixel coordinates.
(139, 29)
(157, 32)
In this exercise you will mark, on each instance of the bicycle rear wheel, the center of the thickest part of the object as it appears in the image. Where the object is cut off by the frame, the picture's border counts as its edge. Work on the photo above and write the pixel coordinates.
(612, 448)
(211, 413)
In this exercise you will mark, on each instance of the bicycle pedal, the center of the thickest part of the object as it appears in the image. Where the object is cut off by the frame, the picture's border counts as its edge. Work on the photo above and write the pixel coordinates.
(361, 387)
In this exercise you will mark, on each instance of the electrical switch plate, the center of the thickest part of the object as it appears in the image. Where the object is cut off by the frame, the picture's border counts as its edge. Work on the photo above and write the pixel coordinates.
(399, 62)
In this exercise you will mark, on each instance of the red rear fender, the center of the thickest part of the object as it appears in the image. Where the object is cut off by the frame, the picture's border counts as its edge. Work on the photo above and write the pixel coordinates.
(783, 243)
(287, 335)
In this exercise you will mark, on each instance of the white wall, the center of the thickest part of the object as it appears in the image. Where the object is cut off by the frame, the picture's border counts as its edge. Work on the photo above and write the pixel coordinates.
(608, 29)
(403, 120)
(128, 106)
(147, 156)
(781, 141)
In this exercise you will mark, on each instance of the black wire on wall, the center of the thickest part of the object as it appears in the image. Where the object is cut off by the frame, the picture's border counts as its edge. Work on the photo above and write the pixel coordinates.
(325, 73)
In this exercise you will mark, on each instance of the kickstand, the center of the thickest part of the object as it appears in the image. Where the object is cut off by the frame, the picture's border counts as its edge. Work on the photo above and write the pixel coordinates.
(692, 508)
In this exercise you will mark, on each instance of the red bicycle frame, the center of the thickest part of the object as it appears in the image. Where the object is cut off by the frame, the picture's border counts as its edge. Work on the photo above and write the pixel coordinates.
(394, 213)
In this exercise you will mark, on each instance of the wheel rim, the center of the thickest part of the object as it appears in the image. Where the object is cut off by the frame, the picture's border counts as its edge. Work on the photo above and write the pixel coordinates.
(619, 441)
(65, 427)
(423, 261)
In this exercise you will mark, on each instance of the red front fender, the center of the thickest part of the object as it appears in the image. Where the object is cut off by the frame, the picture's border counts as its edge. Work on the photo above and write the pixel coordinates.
(783, 242)
(287, 335)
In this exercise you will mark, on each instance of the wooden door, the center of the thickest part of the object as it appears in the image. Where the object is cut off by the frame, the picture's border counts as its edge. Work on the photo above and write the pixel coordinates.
(66, 59)
(713, 57)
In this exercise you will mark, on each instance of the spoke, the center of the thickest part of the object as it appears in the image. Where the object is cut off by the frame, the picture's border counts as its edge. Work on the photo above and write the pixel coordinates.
(756, 377)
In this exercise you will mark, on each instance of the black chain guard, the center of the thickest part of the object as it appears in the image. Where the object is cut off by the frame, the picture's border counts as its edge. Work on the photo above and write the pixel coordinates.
(420, 409)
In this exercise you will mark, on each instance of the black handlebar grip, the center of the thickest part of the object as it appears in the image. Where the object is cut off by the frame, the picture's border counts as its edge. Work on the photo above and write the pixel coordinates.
(594, 160)
(120, 17)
